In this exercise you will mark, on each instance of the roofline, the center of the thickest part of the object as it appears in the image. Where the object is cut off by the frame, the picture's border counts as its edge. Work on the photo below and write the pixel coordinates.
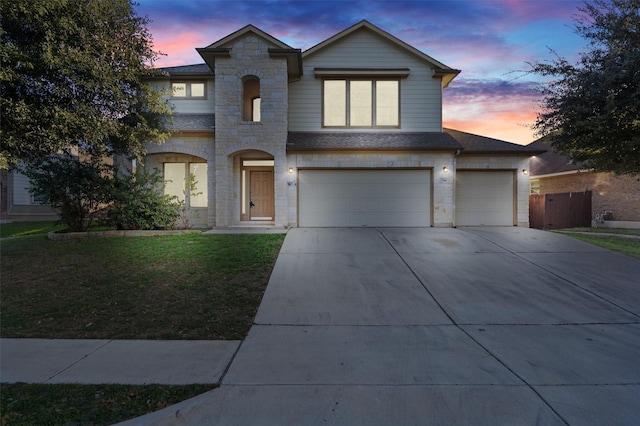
(394, 149)
(245, 30)
(446, 78)
(468, 151)
(282, 50)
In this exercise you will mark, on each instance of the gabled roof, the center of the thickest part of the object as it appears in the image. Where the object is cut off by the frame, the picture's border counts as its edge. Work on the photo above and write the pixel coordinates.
(283, 50)
(476, 144)
(369, 141)
(248, 29)
(439, 69)
(550, 162)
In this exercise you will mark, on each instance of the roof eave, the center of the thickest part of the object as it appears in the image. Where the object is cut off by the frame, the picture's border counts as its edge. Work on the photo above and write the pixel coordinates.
(294, 60)
(209, 54)
(447, 75)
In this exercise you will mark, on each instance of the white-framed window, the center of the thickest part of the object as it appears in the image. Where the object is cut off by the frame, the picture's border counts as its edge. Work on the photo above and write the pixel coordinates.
(187, 182)
(188, 89)
(361, 103)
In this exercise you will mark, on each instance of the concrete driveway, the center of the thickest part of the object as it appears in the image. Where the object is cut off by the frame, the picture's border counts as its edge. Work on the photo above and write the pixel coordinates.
(470, 326)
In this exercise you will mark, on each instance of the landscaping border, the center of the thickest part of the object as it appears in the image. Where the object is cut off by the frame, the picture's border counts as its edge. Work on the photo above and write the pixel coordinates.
(65, 236)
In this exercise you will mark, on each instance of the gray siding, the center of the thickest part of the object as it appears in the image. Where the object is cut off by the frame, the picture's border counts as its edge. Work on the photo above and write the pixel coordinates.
(189, 106)
(420, 94)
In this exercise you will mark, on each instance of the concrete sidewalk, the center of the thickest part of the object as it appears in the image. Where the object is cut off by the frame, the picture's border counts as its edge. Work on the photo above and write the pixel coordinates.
(483, 326)
(130, 362)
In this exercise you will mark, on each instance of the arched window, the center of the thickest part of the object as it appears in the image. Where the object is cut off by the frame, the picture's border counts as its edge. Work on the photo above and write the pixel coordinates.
(251, 98)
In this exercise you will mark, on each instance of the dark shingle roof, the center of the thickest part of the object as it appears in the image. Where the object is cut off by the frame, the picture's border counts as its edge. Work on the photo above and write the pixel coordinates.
(323, 141)
(550, 161)
(196, 69)
(476, 144)
(193, 122)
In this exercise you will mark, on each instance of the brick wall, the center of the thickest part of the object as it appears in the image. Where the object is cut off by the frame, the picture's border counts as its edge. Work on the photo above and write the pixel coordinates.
(618, 194)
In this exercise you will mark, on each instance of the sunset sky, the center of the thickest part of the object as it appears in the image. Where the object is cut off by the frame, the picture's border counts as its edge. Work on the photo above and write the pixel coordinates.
(489, 40)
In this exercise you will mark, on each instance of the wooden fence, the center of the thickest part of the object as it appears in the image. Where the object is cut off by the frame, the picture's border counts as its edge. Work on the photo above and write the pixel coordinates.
(558, 211)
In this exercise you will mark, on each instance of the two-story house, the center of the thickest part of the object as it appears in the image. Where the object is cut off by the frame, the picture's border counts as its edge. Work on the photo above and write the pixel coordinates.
(346, 133)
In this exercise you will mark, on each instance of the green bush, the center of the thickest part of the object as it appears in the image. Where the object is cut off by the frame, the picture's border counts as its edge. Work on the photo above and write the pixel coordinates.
(137, 202)
(76, 189)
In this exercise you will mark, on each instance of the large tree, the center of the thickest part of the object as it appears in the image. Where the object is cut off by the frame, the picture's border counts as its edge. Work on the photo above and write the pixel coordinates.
(591, 109)
(73, 77)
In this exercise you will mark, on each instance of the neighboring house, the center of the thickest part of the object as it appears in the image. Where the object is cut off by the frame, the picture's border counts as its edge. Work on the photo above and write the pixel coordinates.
(347, 133)
(554, 173)
(17, 203)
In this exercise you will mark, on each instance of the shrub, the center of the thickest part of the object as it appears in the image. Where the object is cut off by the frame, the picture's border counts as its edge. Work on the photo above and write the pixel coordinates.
(76, 189)
(139, 204)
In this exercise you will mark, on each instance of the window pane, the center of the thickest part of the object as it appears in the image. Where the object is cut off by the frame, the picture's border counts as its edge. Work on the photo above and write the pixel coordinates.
(387, 108)
(174, 183)
(360, 98)
(198, 195)
(179, 90)
(335, 102)
(256, 109)
(197, 90)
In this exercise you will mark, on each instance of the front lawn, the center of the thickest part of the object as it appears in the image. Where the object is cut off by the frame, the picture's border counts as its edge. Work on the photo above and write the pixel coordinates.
(171, 287)
(174, 287)
(20, 229)
(37, 404)
(599, 237)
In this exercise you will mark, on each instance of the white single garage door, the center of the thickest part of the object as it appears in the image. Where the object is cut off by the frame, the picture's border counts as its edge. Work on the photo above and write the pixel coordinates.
(364, 197)
(484, 198)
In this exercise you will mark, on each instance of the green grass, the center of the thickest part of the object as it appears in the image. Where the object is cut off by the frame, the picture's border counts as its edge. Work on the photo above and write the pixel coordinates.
(170, 287)
(173, 287)
(605, 231)
(70, 404)
(628, 246)
(20, 229)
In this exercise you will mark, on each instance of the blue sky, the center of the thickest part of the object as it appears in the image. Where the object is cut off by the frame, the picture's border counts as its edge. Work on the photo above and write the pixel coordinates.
(487, 39)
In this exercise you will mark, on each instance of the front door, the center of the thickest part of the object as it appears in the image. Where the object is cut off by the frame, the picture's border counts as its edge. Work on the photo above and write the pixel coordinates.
(261, 195)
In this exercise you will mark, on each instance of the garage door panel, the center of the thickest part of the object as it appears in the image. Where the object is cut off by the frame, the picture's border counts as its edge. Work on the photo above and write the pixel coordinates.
(364, 197)
(484, 198)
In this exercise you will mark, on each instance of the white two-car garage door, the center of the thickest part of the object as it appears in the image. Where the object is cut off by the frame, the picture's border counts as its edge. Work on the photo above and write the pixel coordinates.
(484, 198)
(364, 197)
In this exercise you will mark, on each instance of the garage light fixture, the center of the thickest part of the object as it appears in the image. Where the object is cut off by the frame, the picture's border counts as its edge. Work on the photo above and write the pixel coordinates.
(445, 169)
(290, 169)
(525, 172)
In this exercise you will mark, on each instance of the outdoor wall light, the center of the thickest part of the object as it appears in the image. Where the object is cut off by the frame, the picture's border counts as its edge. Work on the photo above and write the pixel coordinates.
(525, 172)
(290, 169)
(445, 169)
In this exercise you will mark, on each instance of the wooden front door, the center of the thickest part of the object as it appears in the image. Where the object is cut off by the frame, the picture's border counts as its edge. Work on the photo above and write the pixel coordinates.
(261, 195)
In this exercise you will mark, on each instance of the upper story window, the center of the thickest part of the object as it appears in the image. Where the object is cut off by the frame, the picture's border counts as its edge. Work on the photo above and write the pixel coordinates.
(361, 103)
(188, 89)
(251, 98)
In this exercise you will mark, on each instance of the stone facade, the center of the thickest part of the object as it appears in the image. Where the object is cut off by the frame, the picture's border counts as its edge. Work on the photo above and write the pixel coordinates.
(618, 194)
(235, 136)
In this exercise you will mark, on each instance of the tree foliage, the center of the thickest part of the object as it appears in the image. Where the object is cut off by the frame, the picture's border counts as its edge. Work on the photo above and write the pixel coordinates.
(591, 110)
(73, 76)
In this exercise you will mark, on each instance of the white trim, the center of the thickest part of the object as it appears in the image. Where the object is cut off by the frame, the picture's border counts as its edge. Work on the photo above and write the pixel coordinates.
(570, 172)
